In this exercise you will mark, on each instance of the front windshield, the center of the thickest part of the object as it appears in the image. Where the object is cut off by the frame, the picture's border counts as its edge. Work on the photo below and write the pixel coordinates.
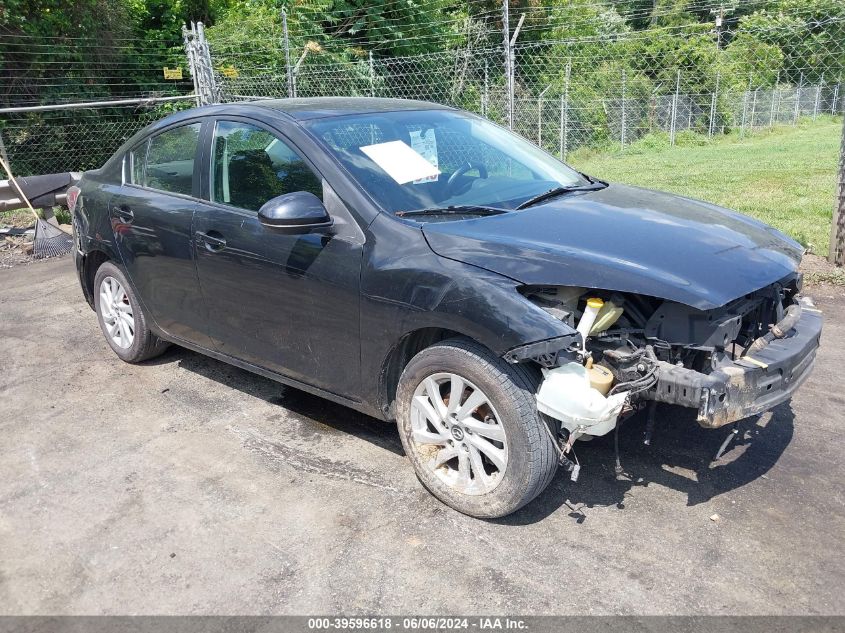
(430, 159)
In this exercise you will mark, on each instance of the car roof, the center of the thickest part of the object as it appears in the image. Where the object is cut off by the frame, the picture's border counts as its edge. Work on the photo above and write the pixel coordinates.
(303, 109)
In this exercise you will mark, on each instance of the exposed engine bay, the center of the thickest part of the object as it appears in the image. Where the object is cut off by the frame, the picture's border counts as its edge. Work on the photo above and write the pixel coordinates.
(727, 363)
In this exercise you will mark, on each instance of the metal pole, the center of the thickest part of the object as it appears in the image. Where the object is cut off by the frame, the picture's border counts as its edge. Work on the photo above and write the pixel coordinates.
(540, 116)
(775, 96)
(818, 98)
(837, 229)
(835, 98)
(372, 77)
(674, 109)
(506, 29)
(95, 104)
(713, 101)
(564, 113)
(189, 52)
(753, 108)
(622, 133)
(209, 89)
(797, 100)
(286, 43)
(744, 109)
(485, 96)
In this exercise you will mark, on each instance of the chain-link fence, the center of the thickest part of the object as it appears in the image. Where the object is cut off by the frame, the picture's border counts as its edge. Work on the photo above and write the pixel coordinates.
(611, 90)
(571, 94)
(617, 93)
(45, 81)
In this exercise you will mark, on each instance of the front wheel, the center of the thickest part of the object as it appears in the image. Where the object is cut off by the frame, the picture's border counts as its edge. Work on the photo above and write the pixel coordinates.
(470, 426)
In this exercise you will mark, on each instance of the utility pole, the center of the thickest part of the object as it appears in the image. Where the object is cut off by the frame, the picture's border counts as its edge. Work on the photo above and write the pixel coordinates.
(286, 43)
(720, 14)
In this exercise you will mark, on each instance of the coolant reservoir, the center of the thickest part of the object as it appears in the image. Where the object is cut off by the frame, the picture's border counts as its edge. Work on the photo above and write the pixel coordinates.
(608, 314)
(566, 395)
(601, 379)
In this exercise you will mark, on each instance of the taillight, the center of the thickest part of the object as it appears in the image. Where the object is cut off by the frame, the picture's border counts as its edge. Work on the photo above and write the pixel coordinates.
(72, 196)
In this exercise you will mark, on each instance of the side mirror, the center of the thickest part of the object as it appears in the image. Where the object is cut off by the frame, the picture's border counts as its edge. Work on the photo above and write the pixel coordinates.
(297, 210)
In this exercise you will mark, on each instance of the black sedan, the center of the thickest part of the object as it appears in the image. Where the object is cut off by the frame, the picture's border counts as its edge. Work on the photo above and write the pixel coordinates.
(421, 264)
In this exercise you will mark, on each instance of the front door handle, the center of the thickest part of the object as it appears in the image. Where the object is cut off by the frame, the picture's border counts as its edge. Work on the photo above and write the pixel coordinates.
(122, 213)
(213, 241)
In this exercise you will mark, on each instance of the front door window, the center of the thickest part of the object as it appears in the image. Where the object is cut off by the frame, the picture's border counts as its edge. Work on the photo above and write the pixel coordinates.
(252, 166)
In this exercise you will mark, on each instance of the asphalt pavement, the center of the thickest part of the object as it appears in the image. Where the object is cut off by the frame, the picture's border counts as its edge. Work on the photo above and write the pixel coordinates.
(185, 485)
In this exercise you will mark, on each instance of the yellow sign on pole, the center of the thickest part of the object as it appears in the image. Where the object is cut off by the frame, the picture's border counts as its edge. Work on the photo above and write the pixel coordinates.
(172, 73)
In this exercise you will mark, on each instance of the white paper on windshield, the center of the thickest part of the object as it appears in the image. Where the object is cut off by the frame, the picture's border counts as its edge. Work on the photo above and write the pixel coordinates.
(426, 146)
(400, 162)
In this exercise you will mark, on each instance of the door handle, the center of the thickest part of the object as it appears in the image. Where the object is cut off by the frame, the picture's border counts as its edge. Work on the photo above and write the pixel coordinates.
(123, 213)
(213, 241)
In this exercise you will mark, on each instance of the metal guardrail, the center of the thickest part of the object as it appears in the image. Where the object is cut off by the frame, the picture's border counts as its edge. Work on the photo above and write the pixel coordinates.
(49, 190)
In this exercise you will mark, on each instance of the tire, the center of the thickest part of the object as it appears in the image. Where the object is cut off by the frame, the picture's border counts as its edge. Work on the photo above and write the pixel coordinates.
(512, 429)
(129, 335)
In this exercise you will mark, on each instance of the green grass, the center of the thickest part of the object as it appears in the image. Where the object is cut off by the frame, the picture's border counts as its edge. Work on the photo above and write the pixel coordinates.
(785, 177)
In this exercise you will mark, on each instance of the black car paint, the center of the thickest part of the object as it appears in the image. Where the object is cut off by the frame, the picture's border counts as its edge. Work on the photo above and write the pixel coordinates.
(325, 310)
(627, 239)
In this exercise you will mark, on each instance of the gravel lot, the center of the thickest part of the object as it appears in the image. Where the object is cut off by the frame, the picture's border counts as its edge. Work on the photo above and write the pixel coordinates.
(188, 486)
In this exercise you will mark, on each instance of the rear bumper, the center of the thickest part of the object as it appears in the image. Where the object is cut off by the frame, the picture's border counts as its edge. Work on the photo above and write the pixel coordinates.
(750, 385)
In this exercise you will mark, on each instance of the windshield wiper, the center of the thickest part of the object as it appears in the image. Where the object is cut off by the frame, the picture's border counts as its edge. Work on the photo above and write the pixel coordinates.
(594, 185)
(460, 209)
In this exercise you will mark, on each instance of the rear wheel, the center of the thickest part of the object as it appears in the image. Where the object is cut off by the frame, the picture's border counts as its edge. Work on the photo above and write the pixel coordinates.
(122, 318)
(469, 424)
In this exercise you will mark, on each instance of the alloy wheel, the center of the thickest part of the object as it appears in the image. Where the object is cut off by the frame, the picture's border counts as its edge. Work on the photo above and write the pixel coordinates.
(458, 433)
(116, 311)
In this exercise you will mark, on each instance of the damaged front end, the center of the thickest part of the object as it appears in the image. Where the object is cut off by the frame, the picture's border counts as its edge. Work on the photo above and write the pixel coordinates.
(727, 363)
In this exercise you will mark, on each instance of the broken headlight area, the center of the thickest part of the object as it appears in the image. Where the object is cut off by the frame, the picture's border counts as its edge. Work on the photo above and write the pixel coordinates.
(727, 363)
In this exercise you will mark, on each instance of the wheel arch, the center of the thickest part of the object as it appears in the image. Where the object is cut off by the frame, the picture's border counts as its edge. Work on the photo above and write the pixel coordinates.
(91, 262)
(408, 346)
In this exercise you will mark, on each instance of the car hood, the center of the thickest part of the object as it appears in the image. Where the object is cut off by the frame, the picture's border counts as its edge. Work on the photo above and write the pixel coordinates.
(625, 239)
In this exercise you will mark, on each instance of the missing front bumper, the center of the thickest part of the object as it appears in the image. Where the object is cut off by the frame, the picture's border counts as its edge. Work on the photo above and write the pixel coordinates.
(747, 386)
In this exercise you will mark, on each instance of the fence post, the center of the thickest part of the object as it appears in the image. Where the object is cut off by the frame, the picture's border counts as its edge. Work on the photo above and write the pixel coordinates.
(622, 134)
(674, 109)
(485, 96)
(192, 65)
(818, 98)
(753, 108)
(564, 113)
(713, 102)
(372, 77)
(506, 29)
(835, 98)
(200, 65)
(540, 115)
(744, 119)
(286, 44)
(837, 229)
(797, 101)
(775, 98)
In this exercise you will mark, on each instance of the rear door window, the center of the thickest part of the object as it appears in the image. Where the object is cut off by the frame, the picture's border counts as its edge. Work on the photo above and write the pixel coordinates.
(170, 159)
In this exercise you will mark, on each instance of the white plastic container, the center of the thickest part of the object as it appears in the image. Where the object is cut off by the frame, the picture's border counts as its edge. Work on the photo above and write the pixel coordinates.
(566, 395)
(594, 304)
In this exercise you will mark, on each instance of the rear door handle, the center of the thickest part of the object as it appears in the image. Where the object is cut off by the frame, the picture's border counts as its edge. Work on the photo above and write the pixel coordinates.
(123, 213)
(213, 241)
